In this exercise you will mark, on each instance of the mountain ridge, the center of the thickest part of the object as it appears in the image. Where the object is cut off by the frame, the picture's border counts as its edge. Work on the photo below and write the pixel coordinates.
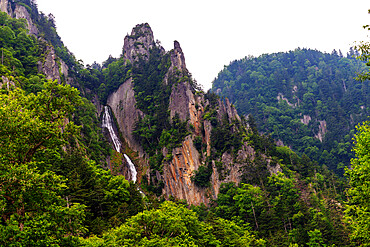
(323, 100)
(188, 146)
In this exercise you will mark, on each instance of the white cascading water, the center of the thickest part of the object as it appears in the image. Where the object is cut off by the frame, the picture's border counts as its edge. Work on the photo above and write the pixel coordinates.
(108, 123)
(132, 168)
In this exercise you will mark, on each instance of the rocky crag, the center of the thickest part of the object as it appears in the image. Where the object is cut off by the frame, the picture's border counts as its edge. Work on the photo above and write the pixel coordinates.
(191, 168)
(199, 111)
(50, 65)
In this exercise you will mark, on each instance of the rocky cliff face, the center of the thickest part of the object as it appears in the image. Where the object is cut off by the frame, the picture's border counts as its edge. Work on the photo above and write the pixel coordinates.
(138, 43)
(123, 105)
(51, 66)
(182, 162)
(178, 172)
(5, 7)
(19, 12)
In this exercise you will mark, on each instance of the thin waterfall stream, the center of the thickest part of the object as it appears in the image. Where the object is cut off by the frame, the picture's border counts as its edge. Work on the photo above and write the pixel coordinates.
(107, 122)
(132, 168)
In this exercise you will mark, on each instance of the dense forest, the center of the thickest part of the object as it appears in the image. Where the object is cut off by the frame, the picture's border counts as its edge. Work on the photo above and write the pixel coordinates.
(307, 99)
(56, 188)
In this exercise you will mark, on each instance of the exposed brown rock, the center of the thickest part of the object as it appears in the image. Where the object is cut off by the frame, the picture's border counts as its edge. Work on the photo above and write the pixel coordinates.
(183, 161)
(177, 57)
(7, 82)
(178, 172)
(306, 119)
(228, 109)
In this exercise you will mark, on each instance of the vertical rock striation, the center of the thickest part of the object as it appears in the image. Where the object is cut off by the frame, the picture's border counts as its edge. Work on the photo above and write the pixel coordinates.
(182, 162)
(123, 105)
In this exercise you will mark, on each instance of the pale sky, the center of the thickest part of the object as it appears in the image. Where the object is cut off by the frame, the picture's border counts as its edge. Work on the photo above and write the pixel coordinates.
(211, 33)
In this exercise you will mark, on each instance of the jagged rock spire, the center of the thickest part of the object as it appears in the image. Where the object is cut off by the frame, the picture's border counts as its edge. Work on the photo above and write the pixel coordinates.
(138, 43)
(177, 57)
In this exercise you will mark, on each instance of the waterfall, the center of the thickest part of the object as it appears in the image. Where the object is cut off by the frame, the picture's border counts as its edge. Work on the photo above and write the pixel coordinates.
(132, 168)
(108, 123)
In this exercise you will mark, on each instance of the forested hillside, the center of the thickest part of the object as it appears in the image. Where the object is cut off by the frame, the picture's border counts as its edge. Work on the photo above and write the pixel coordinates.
(307, 99)
(206, 176)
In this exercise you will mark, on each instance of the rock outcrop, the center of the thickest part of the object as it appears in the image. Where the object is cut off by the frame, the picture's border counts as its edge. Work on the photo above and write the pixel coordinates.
(138, 43)
(180, 164)
(5, 7)
(322, 130)
(306, 119)
(19, 12)
(123, 105)
(5, 81)
(178, 172)
(50, 66)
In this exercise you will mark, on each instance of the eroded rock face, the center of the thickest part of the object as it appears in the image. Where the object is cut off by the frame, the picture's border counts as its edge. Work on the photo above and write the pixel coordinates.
(322, 130)
(186, 160)
(123, 105)
(21, 12)
(177, 57)
(227, 109)
(306, 119)
(138, 43)
(181, 163)
(50, 66)
(178, 172)
(5, 7)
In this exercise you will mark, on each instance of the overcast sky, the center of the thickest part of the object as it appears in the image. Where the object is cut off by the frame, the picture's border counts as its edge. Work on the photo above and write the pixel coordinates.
(211, 33)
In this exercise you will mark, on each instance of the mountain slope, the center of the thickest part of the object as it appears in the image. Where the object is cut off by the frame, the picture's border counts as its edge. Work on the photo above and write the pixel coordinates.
(187, 146)
(307, 99)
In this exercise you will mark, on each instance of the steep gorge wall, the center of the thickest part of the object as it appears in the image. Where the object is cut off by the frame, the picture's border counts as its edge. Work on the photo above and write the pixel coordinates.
(182, 162)
(19, 12)
(51, 66)
(123, 104)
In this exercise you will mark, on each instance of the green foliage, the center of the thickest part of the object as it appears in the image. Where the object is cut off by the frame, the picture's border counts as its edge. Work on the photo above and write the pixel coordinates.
(226, 136)
(152, 97)
(91, 134)
(53, 189)
(203, 175)
(173, 137)
(175, 225)
(115, 74)
(19, 51)
(315, 239)
(33, 209)
(282, 89)
(359, 193)
(283, 211)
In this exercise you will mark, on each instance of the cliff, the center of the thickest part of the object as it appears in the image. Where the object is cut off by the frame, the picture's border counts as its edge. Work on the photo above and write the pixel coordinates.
(18, 11)
(123, 104)
(51, 65)
(174, 155)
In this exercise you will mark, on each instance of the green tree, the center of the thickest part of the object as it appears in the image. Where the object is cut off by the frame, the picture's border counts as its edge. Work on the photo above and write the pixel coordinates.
(175, 225)
(249, 202)
(34, 127)
(358, 211)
